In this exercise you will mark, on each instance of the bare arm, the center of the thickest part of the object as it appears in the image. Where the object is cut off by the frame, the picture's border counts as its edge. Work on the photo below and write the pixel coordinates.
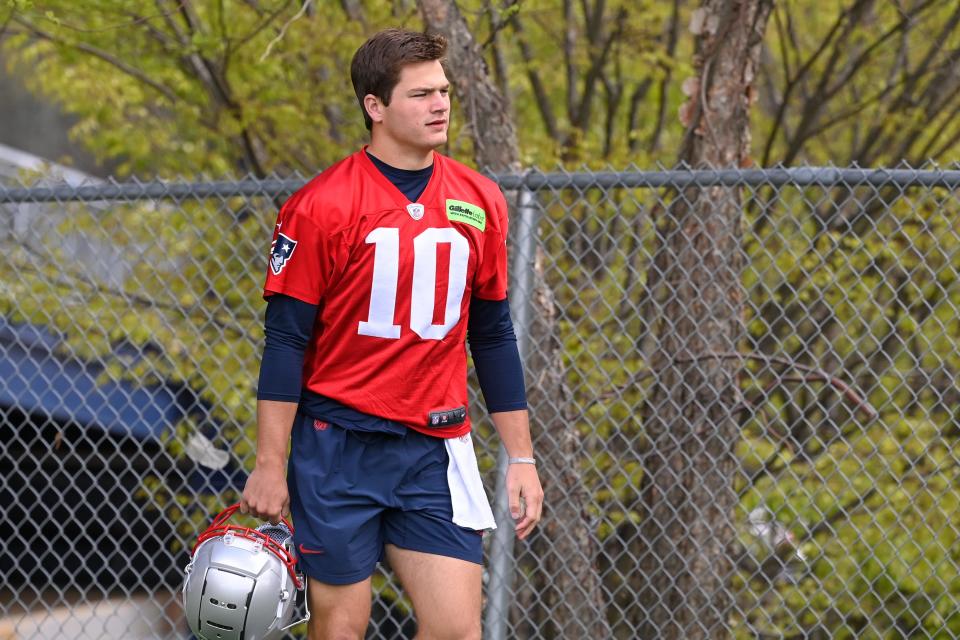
(523, 482)
(265, 494)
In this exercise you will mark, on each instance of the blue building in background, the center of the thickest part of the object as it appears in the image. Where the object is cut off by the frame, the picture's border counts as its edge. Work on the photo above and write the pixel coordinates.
(79, 448)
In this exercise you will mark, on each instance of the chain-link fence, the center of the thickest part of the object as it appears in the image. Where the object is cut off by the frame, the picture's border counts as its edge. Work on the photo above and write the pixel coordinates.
(743, 387)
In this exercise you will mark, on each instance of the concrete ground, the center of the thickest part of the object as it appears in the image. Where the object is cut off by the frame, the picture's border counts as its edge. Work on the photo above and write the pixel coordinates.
(139, 618)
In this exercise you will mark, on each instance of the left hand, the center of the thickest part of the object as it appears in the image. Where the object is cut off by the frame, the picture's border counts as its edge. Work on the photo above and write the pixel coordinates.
(523, 482)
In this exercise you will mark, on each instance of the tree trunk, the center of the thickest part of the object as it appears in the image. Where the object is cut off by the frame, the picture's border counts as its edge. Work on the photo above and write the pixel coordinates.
(564, 563)
(564, 567)
(489, 121)
(691, 428)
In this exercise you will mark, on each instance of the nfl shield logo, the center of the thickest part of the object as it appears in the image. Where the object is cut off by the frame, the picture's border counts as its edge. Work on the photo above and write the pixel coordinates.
(415, 210)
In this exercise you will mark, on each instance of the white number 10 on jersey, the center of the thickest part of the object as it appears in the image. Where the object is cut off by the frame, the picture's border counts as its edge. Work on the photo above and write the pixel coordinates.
(383, 291)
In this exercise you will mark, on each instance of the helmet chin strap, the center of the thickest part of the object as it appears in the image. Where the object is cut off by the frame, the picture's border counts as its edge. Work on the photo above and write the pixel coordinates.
(306, 607)
(240, 571)
(285, 593)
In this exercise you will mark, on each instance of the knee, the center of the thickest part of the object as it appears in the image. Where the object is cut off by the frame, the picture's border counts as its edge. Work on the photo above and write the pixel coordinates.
(468, 634)
(339, 612)
(334, 633)
(461, 630)
(336, 628)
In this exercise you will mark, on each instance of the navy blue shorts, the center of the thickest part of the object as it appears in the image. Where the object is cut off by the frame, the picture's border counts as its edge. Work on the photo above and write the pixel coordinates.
(352, 492)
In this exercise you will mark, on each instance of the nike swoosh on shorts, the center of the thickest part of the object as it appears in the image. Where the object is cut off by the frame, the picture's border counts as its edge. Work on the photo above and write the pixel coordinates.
(306, 551)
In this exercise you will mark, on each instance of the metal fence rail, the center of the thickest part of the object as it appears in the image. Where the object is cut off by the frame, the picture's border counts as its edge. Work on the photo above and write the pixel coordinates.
(743, 386)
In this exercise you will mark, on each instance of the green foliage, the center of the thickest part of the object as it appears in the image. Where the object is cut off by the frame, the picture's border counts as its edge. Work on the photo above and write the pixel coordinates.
(184, 88)
(629, 54)
(221, 86)
(226, 86)
(180, 285)
(843, 284)
(865, 82)
(866, 292)
(857, 284)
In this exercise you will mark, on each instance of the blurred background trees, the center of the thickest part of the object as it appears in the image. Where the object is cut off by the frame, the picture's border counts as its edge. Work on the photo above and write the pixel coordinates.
(858, 284)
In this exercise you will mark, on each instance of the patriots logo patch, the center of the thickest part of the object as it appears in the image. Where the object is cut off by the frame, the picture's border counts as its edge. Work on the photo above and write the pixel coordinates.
(280, 252)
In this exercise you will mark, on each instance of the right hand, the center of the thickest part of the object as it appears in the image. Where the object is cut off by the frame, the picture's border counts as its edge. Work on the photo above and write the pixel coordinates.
(265, 495)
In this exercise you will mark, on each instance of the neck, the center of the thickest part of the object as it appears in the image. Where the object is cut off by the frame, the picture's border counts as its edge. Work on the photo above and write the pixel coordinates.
(399, 156)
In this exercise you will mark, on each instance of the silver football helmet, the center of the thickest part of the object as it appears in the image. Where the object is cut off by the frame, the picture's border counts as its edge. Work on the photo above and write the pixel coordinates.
(242, 583)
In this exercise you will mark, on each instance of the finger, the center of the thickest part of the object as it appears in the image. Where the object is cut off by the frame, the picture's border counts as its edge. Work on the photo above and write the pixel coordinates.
(533, 512)
(513, 496)
(525, 526)
(533, 496)
(521, 527)
(535, 506)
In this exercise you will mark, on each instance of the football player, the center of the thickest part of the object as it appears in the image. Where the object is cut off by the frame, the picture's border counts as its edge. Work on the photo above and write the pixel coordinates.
(381, 269)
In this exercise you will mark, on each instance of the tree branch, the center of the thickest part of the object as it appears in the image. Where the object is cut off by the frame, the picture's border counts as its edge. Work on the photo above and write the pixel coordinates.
(213, 79)
(793, 82)
(258, 29)
(491, 124)
(813, 374)
(496, 24)
(163, 39)
(77, 280)
(354, 11)
(633, 113)
(569, 53)
(830, 83)
(100, 54)
(135, 21)
(596, 68)
(500, 68)
(286, 25)
(673, 37)
(544, 105)
(839, 513)
(614, 96)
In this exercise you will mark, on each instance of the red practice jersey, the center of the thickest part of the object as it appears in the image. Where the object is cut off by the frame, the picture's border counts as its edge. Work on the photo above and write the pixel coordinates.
(393, 281)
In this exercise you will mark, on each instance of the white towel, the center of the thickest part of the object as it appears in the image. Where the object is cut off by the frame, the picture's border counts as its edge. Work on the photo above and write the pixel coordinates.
(471, 509)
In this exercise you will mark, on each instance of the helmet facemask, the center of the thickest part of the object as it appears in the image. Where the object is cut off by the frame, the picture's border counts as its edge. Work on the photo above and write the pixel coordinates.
(242, 583)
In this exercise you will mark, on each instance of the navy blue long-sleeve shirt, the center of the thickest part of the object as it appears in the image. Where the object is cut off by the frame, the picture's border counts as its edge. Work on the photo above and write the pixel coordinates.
(289, 326)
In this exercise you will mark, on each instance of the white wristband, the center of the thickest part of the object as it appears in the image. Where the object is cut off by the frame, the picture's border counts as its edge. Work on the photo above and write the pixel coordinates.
(522, 460)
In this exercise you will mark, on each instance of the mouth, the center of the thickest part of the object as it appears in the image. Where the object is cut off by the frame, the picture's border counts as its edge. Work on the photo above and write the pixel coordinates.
(437, 123)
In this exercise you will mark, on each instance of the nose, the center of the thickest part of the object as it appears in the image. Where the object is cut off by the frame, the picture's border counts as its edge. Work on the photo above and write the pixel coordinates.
(441, 102)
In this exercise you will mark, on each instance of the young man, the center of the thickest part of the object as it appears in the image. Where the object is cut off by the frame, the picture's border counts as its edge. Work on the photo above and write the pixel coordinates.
(381, 267)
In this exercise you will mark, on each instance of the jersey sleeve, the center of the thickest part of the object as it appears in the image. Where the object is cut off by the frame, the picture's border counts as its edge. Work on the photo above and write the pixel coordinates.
(490, 282)
(301, 258)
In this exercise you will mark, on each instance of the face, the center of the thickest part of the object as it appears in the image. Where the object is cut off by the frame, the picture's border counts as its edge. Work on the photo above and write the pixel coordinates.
(419, 111)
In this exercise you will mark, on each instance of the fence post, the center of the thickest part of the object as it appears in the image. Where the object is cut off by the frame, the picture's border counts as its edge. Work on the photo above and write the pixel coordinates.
(524, 232)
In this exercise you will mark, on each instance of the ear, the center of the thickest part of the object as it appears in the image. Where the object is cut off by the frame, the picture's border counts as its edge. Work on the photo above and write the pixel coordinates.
(374, 107)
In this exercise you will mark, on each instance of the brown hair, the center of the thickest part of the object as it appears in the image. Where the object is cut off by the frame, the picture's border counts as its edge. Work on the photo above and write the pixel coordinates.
(376, 65)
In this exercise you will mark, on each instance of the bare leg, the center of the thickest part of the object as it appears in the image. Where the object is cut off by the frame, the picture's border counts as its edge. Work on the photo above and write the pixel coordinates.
(339, 612)
(445, 592)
